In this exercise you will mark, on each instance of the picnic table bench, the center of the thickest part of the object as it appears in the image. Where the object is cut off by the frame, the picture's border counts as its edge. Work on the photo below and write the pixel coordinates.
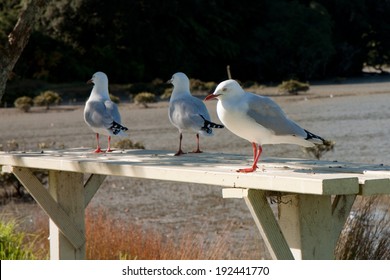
(318, 195)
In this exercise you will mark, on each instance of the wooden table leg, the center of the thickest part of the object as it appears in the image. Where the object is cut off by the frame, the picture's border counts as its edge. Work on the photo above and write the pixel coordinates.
(67, 189)
(62, 220)
(312, 223)
(308, 226)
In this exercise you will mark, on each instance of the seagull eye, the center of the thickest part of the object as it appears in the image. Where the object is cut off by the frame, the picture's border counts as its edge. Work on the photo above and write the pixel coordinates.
(224, 89)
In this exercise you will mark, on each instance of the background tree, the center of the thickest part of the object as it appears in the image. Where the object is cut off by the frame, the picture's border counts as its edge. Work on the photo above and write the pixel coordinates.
(377, 37)
(264, 41)
(10, 51)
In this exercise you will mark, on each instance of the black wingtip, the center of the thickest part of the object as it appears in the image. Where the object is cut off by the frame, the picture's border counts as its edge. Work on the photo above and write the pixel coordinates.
(312, 136)
(207, 125)
(116, 128)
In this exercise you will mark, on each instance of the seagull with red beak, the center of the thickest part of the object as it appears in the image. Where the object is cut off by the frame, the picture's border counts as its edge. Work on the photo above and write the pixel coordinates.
(257, 119)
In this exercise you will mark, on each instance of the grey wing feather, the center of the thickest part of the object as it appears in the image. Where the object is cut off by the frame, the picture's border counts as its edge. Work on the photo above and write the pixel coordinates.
(113, 111)
(268, 114)
(186, 113)
(97, 115)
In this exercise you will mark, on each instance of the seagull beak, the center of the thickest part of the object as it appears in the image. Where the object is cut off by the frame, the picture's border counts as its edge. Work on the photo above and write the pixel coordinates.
(211, 96)
(169, 81)
(89, 81)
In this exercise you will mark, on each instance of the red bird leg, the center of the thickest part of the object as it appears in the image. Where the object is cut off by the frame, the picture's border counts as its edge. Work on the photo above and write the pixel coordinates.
(256, 157)
(98, 149)
(180, 152)
(259, 151)
(197, 151)
(254, 146)
(109, 145)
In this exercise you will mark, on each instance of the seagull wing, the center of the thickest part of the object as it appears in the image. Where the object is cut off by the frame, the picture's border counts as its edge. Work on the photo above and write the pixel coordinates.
(188, 113)
(268, 114)
(97, 116)
(112, 110)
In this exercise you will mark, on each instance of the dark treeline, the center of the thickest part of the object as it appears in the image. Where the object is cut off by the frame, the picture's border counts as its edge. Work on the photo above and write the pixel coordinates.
(262, 40)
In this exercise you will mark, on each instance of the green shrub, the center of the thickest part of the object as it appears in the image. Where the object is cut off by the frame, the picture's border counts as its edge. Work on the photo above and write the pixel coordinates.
(47, 98)
(115, 99)
(293, 86)
(167, 94)
(24, 103)
(144, 98)
(198, 85)
(12, 243)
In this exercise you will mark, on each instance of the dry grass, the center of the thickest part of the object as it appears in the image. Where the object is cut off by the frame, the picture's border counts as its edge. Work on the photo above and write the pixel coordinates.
(112, 239)
(365, 237)
(366, 232)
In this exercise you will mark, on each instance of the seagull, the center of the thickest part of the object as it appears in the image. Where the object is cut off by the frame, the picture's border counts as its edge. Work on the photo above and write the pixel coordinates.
(257, 119)
(187, 112)
(100, 113)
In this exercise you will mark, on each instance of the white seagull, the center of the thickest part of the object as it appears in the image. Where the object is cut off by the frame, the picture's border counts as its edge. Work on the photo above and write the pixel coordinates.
(100, 113)
(257, 119)
(187, 112)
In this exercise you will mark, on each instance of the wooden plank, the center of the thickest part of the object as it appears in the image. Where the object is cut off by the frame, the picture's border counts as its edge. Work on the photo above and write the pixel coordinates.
(267, 225)
(234, 193)
(91, 187)
(379, 173)
(67, 189)
(206, 169)
(338, 186)
(374, 186)
(7, 169)
(325, 166)
(49, 205)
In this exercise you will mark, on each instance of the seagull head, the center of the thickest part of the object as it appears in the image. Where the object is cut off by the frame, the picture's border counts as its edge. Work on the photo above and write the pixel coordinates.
(226, 89)
(99, 78)
(180, 81)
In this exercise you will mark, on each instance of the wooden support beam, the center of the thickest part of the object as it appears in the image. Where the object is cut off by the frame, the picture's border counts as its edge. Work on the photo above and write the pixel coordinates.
(56, 213)
(91, 187)
(265, 220)
(67, 189)
(341, 208)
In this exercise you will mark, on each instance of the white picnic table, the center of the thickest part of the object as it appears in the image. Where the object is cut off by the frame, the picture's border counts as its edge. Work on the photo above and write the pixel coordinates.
(317, 196)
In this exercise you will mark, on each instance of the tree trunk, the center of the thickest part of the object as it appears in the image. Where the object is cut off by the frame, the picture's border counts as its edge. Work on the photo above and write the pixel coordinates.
(17, 40)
